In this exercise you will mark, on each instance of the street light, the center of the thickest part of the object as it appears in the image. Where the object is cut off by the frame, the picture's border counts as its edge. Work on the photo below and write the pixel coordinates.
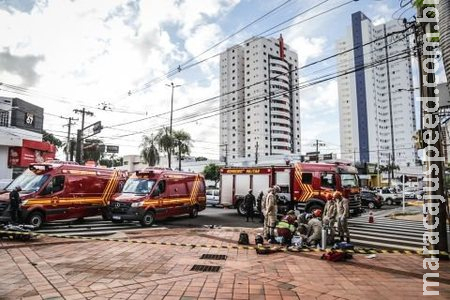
(173, 86)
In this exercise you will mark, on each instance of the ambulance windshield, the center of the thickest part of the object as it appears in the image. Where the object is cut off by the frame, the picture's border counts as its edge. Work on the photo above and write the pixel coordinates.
(138, 186)
(28, 181)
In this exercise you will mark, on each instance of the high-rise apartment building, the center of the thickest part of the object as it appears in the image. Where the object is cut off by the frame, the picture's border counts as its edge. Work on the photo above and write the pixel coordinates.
(260, 109)
(376, 102)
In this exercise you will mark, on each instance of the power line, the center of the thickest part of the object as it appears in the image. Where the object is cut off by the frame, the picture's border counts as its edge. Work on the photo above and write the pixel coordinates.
(406, 54)
(261, 81)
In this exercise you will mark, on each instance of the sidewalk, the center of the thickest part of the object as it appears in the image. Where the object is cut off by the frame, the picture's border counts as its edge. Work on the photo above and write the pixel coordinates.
(55, 268)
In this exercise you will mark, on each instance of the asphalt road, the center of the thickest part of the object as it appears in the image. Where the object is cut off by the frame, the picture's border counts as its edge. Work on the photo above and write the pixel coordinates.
(216, 216)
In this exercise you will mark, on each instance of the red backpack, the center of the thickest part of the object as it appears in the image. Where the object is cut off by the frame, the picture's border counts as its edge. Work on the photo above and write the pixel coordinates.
(336, 256)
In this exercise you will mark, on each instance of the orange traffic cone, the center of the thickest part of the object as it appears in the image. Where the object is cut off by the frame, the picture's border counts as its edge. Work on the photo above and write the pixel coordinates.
(371, 219)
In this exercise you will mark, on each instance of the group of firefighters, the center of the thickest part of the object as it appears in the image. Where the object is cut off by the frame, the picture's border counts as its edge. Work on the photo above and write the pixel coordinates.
(307, 227)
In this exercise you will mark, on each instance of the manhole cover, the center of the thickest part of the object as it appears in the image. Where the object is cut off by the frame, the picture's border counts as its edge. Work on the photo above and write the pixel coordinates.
(203, 268)
(213, 256)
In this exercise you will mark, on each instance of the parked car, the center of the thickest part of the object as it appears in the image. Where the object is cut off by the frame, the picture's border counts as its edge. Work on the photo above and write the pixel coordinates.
(411, 193)
(212, 197)
(390, 197)
(371, 199)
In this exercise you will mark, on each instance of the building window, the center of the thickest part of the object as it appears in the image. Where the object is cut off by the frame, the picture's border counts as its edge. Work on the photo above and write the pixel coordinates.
(4, 118)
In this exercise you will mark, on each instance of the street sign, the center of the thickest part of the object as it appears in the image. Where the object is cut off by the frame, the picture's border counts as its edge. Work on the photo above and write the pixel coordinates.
(112, 149)
(92, 129)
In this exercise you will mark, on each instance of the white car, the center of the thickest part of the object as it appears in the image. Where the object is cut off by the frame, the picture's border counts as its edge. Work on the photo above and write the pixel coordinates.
(212, 197)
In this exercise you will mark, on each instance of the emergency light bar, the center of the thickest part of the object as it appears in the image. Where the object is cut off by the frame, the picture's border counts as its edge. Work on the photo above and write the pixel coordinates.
(43, 167)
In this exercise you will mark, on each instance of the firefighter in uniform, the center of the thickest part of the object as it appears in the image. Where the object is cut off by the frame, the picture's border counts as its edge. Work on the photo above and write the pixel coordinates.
(342, 205)
(259, 206)
(286, 227)
(14, 203)
(271, 212)
(314, 228)
(249, 203)
(329, 216)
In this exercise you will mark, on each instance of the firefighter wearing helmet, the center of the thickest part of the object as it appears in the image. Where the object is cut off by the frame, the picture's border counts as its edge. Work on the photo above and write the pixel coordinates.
(270, 215)
(329, 216)
(342, 207)
(314, 228)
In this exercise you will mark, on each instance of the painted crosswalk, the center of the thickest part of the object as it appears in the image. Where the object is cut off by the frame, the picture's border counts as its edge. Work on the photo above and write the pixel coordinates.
(94, 226)
(387, 232)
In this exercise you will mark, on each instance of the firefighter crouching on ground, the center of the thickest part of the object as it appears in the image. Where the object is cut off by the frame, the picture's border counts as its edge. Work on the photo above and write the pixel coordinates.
(314, 228)
(286, 227)
(271, 212)
(329, 216)
(342, 206)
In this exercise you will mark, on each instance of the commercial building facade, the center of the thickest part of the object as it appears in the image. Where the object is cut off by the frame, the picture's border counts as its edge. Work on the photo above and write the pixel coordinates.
(260, 109)
(21, 129)
(376, 94)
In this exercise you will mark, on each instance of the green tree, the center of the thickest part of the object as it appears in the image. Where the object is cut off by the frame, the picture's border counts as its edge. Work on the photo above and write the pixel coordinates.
(92, 151)
(389, 168)
(165, 142)
(111, 161)
(182, 143)
(149, 150)
(48, 137)
(212, 172)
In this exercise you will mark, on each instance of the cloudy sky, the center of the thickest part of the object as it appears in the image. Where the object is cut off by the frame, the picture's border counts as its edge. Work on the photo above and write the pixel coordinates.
(116, 57)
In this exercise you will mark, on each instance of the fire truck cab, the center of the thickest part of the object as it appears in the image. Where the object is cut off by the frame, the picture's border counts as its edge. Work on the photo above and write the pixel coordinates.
(58, 191)
(153, 194)
(304, 186)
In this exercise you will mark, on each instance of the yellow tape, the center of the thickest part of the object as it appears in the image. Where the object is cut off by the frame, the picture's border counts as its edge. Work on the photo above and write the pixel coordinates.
(11, 234)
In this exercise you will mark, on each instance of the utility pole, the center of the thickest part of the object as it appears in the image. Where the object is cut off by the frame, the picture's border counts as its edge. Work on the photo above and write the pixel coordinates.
(173, 86)
(68, 145)
(434, 195)
(83, 112)
(256, 153)
(389, 169)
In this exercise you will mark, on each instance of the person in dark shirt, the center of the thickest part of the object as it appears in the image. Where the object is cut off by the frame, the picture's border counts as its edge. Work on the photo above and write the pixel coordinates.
(249, 203)
(14, 203)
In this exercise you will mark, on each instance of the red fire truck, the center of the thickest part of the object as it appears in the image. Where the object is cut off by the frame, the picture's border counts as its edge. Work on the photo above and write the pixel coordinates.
(58, 191)
(304, 186)
(154, 193)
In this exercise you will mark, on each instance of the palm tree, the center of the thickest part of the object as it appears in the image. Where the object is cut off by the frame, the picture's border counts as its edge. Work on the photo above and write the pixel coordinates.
(149, 151)
(182, 144)
(165, 142)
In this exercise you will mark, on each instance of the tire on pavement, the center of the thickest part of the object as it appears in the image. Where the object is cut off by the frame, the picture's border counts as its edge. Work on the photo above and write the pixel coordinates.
(148, 219)
(36, 218)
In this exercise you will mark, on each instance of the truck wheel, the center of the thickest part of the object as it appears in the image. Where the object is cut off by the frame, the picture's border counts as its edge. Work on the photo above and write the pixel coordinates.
(389, 201)
(36, 219)
(371, 205)
(242, 211)
(148, 219)
(193, 212)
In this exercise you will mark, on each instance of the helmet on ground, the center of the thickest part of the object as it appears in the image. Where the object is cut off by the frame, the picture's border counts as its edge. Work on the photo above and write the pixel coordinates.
(317, 213)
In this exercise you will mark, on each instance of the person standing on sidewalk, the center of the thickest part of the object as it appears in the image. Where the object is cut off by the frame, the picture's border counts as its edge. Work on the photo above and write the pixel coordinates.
(14, 203)
(342, 205)
(249, 203)
(259, 202)
(271, 212)
(329, 216)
